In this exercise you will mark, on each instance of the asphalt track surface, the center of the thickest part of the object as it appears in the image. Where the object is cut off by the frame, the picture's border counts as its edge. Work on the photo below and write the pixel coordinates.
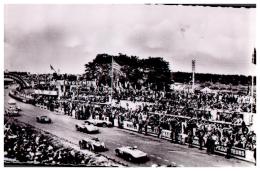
(160, 152)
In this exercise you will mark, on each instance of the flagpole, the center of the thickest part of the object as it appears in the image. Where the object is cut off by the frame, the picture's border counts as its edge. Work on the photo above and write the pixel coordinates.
(252, 93)
(252, 87)
(112, 72)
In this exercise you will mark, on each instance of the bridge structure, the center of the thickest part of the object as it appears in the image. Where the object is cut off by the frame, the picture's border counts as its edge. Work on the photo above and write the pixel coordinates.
(17, 78)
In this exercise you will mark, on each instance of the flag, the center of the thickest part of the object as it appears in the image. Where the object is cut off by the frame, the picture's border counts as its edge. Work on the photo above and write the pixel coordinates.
(51, 67)
(116, 67)
(254, 57)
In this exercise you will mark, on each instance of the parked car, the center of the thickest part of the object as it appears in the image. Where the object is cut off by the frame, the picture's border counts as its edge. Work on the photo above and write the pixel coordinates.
(43, 119)
(131, 154)
(87, 127)
(100, 123)
(93, 144)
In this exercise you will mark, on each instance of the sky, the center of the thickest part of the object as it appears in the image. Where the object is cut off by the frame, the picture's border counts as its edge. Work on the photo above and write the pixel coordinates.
(68, 36)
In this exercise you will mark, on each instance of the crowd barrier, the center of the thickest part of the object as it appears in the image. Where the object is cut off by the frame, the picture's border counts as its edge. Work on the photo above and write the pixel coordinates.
(56, 110)
(130, 126)
(59, 111)
(239, 153)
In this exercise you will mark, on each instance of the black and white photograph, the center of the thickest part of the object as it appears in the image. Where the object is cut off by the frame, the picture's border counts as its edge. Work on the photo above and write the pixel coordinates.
(129, 85)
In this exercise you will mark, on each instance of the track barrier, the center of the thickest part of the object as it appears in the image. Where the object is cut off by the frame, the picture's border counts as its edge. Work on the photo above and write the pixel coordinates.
(239, 153)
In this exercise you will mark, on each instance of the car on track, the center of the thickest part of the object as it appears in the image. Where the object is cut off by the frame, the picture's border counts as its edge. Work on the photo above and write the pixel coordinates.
(12, 111)
(93, 144)
(100, 122)
(131, 154)
(43, 119)
(87, 128)
(18, 108)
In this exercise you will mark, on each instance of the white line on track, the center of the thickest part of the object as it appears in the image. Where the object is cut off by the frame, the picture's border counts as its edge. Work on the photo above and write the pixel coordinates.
(166, 160)
(159, 158)
(152, 155)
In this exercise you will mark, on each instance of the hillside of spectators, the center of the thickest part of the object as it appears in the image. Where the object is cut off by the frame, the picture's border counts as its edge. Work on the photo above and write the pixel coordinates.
(24, 144)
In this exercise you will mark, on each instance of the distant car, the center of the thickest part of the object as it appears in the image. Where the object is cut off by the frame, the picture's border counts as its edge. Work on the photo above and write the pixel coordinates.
(132, 154)
(18, 108)
(43, 119)
(12, 112)
(87, 128)
(100, 123)
(93, 144)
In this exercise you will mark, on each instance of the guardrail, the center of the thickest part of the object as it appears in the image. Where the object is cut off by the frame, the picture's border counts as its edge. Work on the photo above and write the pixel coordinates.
(56, 110)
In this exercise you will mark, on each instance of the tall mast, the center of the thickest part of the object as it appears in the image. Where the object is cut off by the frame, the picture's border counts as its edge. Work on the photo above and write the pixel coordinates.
(193, 73)
(112, 75)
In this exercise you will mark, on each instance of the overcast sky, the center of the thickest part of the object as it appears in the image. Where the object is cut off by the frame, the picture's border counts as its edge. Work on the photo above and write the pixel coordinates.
(69, 36)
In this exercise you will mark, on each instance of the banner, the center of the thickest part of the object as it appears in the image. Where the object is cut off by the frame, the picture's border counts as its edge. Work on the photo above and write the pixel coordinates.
(46, 92)
(234, 151)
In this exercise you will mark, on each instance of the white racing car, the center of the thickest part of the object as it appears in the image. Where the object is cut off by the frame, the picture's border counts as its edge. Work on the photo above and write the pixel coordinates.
(100, 123)
(93, 144)
(87, 128)
(131, 154)
(12, 111)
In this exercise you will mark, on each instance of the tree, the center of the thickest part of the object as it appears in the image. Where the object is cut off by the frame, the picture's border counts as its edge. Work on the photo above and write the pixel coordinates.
(137, 71)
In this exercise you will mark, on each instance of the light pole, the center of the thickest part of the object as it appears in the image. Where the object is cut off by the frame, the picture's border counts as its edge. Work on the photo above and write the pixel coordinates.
(193, 63)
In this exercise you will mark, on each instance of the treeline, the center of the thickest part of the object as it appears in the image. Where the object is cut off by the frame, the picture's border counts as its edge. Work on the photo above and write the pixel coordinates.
(185, 77)
(153, 71)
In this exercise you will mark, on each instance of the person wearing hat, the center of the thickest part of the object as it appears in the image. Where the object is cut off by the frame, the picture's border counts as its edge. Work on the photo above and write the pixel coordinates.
(159, 129)
(208, 143)
(230, 143)
(201, 140)
(190, 138)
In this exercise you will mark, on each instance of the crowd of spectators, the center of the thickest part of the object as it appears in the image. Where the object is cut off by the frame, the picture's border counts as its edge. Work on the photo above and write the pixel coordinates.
(223, 132)
(180, 99)
(168, 110)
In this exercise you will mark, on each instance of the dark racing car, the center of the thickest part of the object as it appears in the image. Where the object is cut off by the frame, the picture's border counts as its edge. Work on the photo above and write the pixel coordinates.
(87, 128)
(43, 119)
(93, 144)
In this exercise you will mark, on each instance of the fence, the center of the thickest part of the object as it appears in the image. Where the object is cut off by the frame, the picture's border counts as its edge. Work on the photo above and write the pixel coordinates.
(239, 153)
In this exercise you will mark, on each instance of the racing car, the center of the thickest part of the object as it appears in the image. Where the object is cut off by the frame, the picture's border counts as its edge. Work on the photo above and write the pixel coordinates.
(87, 127)
(93, 144)
(131, 154)
(18, 108)
(43, 119)
(100, 123)
(11, 111)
